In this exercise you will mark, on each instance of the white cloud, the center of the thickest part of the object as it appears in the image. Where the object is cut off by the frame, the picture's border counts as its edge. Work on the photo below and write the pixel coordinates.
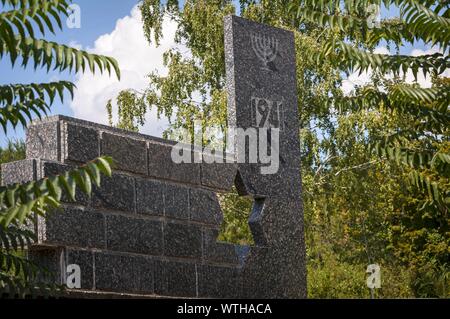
(75, 44)
(136, 58)
(421, 79)
(355, 79)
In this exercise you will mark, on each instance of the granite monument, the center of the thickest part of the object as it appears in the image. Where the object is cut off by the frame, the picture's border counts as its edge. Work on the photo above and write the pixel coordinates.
(151, 229)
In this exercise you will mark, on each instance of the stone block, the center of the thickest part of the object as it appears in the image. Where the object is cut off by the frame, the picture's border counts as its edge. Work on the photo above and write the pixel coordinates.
(144, 269)
(205, 207)
(218, 252)
(219, 176)
(79, 143)
(124, 273)
(129, 154)
(49, 169)
(19, 172)
(51, 260)
(162, 166)
(72, 227)
(116, 193)
(150, 197)
(181, 240)
(135, 235)
(259, 280)
(218, 282)
(114, 272)
(85, 260)
(175, 279)
(176, 202)
(43, 141)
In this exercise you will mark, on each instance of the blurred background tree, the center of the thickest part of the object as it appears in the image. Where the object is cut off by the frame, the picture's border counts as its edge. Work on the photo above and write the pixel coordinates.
(23, 27)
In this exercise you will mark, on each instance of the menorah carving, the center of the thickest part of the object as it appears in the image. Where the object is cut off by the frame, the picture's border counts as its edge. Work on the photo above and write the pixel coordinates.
(265, 47)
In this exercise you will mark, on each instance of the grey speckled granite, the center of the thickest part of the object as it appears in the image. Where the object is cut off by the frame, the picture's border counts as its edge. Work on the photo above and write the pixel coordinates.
(261, 78)
(152, 228)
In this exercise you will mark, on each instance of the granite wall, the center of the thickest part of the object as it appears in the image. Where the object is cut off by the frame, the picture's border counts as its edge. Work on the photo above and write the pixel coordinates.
(150, 229)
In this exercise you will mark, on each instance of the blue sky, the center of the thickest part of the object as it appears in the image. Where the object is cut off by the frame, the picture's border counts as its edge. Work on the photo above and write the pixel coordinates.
(110, 27)
(98, 17)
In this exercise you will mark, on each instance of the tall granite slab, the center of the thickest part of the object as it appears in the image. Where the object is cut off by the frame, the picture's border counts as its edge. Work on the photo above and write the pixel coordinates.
(261, 83)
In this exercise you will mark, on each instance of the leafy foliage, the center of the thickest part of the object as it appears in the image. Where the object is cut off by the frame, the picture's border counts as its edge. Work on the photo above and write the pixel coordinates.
(131, 111)
(19, 27)
(20, 204)
(418, 143)
(18, 201)
(194, 87)
(236, 209)
(418, 146)
(24, 102)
